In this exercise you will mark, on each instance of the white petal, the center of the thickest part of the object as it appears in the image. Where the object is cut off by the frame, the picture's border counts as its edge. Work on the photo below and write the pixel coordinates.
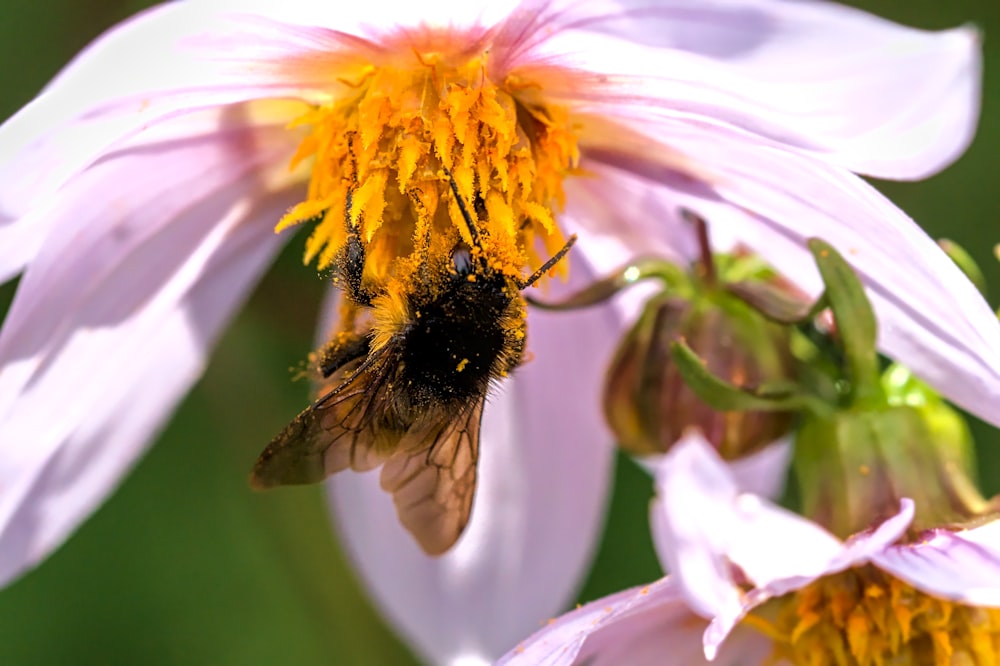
(763, 472)
(670, 637)
(729, 528)
(961, 565)
(111, 325)
(802, 555)
(931, 318)
(692, 544)
(597, 633)
(643, 626)
(545, 465)
(20, 239)
(856, 90)
(142, 189)
(737, 538)
(618, 218)
(170, 60)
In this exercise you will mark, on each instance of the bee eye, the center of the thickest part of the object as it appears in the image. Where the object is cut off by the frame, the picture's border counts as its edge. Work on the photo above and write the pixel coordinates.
(461, 259)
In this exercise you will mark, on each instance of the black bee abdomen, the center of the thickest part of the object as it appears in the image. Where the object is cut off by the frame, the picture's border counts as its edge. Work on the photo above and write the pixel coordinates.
(452, 345)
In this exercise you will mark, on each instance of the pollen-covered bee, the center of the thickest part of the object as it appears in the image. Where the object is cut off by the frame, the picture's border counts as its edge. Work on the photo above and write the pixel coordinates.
(406, 389)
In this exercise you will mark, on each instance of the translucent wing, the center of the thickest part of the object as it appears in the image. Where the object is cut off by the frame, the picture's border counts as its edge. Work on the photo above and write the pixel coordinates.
(433, 478)
(338, 431)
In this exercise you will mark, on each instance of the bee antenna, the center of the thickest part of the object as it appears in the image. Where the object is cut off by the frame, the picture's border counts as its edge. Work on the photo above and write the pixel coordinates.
(537, 275)
(473, 231)
(348, 204)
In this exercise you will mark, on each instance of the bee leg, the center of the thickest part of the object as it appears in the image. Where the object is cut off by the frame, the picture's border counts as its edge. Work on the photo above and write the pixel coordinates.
(351, 261)
(344, 348)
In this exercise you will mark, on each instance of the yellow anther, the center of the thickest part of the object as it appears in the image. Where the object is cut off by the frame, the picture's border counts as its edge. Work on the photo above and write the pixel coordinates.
(864, 617)
(392, 139)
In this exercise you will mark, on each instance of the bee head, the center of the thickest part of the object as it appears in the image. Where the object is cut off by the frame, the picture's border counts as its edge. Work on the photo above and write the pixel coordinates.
(462, 254)
(461, 260)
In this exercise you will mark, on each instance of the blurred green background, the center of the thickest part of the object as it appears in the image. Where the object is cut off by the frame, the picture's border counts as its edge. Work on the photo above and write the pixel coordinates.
(184, 565)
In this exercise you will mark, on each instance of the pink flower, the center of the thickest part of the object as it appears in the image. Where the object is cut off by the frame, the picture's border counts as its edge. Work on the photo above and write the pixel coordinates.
(753, 583)
(140, 191)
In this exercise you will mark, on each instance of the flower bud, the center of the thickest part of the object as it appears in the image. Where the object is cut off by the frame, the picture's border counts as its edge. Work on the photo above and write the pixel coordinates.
(647, 402)
(855, 465)
(876, 439)
(890, 437)
(723, 309)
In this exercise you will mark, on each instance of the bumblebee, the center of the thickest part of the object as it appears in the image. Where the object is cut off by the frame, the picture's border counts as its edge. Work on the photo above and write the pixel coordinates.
(406, 389)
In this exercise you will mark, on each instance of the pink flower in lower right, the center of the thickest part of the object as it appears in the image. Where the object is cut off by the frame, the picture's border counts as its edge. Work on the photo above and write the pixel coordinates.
(753, 583)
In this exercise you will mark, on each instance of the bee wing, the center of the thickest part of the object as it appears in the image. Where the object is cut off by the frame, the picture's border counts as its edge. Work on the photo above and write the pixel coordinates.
(336, 432)
(433, 481)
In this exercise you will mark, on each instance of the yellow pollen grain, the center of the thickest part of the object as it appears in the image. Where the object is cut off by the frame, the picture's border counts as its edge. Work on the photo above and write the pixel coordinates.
(864, 617)
(391, 140)
(461, 365)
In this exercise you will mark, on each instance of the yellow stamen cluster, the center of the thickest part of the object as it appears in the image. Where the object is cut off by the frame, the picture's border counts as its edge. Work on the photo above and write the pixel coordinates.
(864, 617)
(389, 142)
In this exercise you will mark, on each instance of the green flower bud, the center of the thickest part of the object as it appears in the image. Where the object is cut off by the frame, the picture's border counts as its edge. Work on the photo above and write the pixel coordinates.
(892, 438)
(878, 438)
(646, 400)
(855, 465)
(727, 311)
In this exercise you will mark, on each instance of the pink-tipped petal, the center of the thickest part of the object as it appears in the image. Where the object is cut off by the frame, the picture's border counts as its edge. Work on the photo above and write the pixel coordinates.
(961, 565)
(377, 18)
(931, 318)
(168, 61)
(112, 322)
(813, 75)
(545, 463)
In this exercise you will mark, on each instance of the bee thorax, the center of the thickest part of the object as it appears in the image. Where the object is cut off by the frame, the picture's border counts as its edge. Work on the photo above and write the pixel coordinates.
(458, 345)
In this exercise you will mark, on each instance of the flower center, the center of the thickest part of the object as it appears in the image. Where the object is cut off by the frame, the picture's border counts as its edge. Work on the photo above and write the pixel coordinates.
(865, 617)
(391, 144)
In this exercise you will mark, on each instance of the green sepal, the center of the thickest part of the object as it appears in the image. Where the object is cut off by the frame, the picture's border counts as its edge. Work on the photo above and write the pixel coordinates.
(855, 466)
(774, 304)
(856, 325)
(726, 397)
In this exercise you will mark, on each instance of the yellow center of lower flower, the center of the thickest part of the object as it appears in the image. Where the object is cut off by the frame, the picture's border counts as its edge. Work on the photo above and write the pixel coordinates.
(391, 143)
(865, 617)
